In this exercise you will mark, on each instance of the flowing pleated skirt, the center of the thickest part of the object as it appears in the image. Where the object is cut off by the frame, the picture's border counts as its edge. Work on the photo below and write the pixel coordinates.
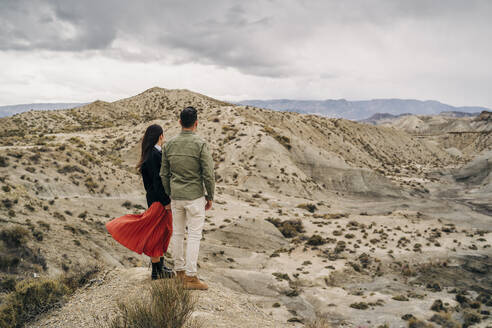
(148, 233)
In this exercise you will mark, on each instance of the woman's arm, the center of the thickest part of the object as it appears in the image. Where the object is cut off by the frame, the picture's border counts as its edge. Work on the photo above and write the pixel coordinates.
(157, 186)
(146, 177)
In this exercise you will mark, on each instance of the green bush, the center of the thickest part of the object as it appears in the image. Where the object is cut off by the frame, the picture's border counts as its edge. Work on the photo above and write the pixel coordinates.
(169, 306)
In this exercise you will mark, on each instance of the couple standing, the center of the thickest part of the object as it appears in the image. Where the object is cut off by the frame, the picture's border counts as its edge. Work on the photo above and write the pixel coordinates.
(174, 177)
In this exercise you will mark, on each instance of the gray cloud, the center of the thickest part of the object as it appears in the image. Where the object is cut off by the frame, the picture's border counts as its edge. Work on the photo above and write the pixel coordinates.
(257, 37)
(390, 42)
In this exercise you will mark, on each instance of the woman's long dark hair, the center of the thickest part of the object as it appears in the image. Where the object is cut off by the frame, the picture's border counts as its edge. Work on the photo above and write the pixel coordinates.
(149, 140)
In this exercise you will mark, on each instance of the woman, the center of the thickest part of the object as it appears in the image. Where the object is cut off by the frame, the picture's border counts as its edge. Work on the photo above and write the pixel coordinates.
(150, 232)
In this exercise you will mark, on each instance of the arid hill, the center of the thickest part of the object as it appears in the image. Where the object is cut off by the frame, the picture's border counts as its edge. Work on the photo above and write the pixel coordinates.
(314, 217)
(462, 136)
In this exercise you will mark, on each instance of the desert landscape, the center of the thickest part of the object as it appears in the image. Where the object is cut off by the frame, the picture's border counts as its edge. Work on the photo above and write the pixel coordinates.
(317, 221)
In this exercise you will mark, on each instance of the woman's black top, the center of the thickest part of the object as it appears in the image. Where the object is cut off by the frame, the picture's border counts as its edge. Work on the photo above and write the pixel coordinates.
(152, 181)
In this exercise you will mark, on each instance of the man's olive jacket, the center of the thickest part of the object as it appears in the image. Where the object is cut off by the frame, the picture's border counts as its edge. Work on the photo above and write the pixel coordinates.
(187, 167)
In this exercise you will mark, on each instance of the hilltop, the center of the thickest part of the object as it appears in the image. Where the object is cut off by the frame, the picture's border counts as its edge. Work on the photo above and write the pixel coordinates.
(314, 216)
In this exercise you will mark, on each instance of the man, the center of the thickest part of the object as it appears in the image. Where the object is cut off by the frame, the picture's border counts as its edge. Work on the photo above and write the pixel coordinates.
(186, 168)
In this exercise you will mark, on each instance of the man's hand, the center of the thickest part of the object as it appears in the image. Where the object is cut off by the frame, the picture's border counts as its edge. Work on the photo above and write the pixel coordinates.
(168, 207)
(208, 205)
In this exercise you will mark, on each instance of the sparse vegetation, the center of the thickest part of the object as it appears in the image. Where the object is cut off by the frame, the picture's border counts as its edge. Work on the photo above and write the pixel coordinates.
(76, 141)
(7, 284)
(127, 204)
(319, 323)
(283, 140)
(14, 237)
(70, 169)
(59, 216)
(401, 298)
(91, 184)
(169, 306)
(8, 203)
(308, 207)
(417, 323)
(288, 228)
(281, 276)
(31, 298)
(36, 296)
(360, 306)
(4, 161)
(316, 240)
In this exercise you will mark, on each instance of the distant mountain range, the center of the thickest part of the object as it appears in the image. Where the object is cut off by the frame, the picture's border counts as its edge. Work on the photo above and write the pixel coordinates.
(362, 109)
(15, 109)
(337, 108)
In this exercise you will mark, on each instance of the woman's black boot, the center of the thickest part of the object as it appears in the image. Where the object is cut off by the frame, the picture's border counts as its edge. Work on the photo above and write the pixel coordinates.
(156, 271)
(166, 272)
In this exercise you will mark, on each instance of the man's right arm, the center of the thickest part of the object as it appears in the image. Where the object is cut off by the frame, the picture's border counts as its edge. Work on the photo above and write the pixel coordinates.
(207, 165)
(165, 173)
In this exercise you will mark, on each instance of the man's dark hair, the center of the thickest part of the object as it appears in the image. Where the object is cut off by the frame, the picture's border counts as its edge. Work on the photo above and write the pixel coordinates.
(188, 117)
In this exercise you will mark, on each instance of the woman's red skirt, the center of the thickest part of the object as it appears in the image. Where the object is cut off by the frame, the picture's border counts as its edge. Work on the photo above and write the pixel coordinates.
(147, 233)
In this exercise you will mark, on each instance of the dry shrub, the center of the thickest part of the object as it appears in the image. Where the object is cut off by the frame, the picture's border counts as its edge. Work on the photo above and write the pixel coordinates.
(316, 240)
(308, 207)
(14, 252)
(14, 237)
(30, 298)
(33, 297)
(7, 284)
(169, 306)
(283, 140)
(70, 169)
(4, 161)
(318, 323)
(79, 276)
(9, 262)
(288, 228)
(417, 323)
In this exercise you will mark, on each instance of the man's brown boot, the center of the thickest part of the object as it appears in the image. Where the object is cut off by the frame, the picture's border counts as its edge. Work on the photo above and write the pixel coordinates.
(194, 283)
(180, 275)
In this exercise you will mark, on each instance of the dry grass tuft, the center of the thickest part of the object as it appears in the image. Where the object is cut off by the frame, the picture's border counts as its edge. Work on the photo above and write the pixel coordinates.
(289, 228)
(308, 207)
(319, 323)
(169, 306)
(14, 237)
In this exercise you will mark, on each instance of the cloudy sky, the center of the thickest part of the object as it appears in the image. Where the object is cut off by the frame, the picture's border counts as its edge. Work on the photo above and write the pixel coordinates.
(72, 50)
